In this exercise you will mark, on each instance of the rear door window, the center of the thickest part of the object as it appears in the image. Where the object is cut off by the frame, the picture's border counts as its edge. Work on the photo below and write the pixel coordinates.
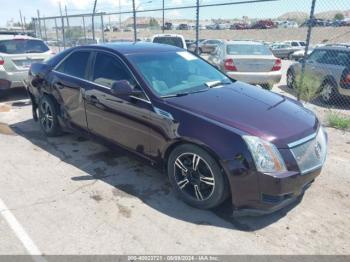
(75, 65)
(22, 46)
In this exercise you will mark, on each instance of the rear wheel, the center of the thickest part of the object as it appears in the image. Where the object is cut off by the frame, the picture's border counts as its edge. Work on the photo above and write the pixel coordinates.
(196, 177)
(328, 92)
(48, 117)
(291, 79)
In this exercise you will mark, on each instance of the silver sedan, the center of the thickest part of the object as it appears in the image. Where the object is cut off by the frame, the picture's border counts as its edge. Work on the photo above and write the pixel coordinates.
(248, 61)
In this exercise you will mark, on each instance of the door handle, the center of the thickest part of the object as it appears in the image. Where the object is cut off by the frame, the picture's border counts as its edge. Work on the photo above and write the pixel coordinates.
(59, 85)
(93, 99)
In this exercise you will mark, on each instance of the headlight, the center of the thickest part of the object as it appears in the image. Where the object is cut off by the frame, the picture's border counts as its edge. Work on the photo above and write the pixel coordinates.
(266, 156)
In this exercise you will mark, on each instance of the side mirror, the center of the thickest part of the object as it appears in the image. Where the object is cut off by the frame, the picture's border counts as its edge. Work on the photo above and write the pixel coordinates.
(122, 88)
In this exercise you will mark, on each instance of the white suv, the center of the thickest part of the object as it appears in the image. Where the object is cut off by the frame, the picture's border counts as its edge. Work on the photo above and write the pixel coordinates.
(170, 39)
(17, 53)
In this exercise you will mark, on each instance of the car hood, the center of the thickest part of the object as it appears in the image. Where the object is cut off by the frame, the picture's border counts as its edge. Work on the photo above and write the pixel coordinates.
(252, 110)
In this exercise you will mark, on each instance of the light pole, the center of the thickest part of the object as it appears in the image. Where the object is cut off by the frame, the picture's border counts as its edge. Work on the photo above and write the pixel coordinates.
(93, 20)
(163, 24)
(134, 14)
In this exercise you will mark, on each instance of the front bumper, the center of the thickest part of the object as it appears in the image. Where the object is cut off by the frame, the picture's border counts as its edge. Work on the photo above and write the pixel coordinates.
(12, 79)
(257, 78)
(255, 193)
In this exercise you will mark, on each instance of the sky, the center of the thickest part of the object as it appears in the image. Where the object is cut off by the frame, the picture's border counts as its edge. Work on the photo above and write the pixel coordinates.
(10, 9)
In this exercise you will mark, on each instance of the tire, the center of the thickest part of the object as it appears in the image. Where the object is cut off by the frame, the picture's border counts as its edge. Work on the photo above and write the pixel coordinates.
(266, 86)
(290, 56)
(48, 117)
(202, 186)
(290, 79)
(328, 92)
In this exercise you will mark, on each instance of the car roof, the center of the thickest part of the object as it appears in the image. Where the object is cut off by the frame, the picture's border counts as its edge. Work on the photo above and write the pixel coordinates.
(339, 47)
(168, 35)
(126, 48)
(243, 42)
(11, 37)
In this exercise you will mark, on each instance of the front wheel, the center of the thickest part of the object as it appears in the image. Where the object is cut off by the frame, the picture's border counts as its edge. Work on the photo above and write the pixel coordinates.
(196, 177)
(48, 117)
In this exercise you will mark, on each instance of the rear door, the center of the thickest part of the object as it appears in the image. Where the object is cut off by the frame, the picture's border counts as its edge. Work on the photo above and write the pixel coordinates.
(70, 80)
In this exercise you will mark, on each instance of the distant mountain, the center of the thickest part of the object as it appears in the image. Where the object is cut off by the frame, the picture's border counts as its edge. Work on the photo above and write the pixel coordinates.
(297, 16)
(301, 16)
(332, 13)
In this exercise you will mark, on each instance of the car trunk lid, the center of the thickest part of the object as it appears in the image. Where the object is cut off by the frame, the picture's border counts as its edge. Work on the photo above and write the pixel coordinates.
(250, 63)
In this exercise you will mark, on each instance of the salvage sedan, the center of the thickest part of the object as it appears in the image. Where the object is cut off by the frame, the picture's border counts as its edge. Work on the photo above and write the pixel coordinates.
(216, 137)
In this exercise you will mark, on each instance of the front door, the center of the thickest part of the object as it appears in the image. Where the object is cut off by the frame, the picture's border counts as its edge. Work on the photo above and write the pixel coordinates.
(122, 120)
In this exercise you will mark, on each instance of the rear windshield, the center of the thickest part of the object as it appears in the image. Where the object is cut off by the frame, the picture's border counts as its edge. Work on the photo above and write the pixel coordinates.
(21, 46)
(248, 50)
(175, 41)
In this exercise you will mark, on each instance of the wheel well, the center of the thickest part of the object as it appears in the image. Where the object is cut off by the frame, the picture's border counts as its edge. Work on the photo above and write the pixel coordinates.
(52, 97)
(329, 80)
(207, 149)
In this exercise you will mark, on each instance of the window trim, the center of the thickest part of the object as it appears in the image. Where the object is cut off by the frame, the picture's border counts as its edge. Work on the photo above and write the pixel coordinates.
(70, 54)
(90, 69)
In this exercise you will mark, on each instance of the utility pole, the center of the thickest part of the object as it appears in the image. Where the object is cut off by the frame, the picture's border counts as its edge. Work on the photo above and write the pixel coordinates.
(39, 23)
(303, 64)
(93, 20)
(20, 15)
(62, 23)
(65, 9)
(135, 27)
(197, 28)
(84, 28)
(25, 23)
(120, 15)
(163, 16)
(102, 29)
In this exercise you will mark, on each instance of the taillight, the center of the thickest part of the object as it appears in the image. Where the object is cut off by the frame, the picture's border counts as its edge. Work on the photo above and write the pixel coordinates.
(2, 61)
(346, 79)
(229, 65)
(278, 65)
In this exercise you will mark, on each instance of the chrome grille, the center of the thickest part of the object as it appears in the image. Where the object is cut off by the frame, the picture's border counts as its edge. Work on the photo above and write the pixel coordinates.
(310, 154)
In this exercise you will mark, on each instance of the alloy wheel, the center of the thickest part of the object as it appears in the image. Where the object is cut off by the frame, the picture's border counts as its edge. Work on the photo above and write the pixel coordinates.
(327, 92)
(46, 116)
(194, 176)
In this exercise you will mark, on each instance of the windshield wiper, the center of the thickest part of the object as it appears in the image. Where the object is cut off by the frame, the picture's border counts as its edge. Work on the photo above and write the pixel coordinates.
(184, 93)
(213, 84)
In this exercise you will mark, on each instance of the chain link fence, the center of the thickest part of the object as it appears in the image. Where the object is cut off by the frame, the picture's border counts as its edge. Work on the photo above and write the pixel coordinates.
(314, 42)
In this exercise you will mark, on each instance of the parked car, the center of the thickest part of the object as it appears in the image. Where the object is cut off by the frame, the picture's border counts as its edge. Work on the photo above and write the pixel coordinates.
(183, 27)
(168, 26)
(209, 45)
(192, 46)
(17, 53)
(239, 26)
(87, 41)
(286, 49)
(170, 39)
(248, 61)
(264, 24)
(216, 138)
(331, 65)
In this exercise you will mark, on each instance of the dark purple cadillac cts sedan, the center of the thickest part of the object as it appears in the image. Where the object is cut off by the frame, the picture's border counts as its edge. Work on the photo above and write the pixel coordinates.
(217, 138)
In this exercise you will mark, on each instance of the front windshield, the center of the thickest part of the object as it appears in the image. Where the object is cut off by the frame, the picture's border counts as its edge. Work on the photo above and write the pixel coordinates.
(168, 40)
(174, 73)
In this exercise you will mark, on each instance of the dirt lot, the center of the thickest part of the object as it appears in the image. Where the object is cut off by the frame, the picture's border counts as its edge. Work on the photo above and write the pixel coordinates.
(70, 195)
(319, 34)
